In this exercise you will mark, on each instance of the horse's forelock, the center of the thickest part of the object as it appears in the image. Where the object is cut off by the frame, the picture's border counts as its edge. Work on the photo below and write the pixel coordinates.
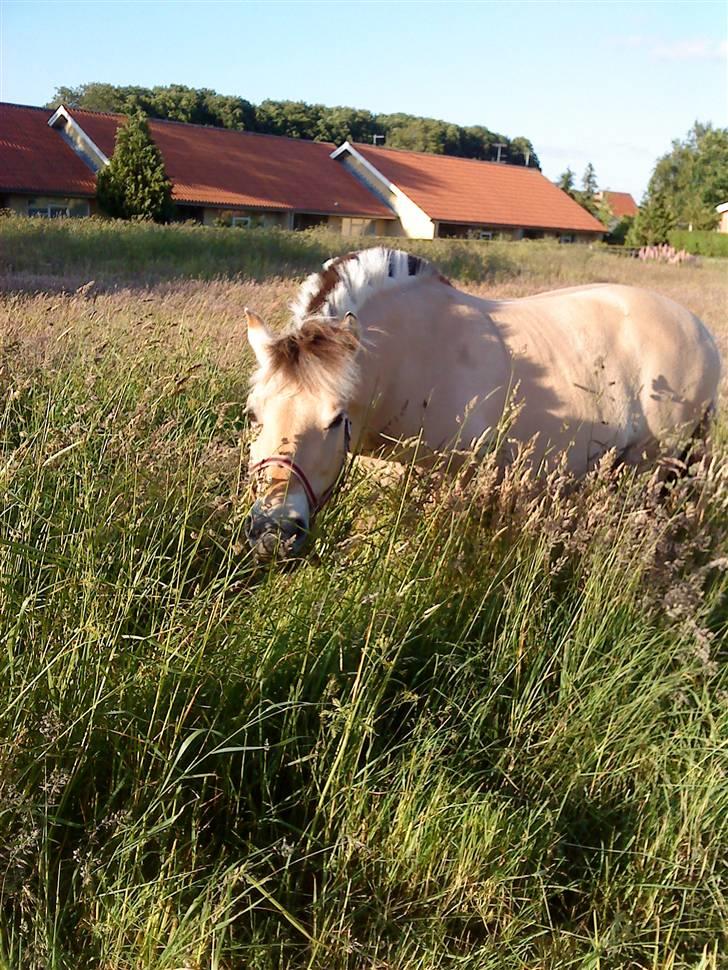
(316, 356)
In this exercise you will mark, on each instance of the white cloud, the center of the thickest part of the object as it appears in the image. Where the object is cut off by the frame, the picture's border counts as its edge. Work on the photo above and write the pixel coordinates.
(691, 49)
(699, 48)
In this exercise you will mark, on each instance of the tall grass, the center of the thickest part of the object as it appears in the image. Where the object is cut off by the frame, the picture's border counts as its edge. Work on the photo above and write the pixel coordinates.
(483, 725)
(138, 254)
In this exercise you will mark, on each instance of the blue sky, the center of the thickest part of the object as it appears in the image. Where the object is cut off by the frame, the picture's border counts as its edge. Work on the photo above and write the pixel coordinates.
(608, 82)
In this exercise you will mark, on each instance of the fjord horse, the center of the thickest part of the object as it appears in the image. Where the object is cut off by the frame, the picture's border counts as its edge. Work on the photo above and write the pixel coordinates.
(383, 348)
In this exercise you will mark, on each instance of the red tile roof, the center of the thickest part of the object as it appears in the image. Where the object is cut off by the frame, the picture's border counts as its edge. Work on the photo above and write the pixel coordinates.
(35, 159)
(221, 167)
(621, 203)
(466, 190)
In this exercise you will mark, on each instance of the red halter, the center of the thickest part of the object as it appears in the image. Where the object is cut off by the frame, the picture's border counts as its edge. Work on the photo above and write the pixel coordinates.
(283, 461)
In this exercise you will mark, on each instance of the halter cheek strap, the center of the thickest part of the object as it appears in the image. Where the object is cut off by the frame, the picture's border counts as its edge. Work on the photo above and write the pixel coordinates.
(283, 461)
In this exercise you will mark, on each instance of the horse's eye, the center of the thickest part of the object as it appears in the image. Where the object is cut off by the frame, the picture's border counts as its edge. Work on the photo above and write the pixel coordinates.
(253, 418)
(336, 422)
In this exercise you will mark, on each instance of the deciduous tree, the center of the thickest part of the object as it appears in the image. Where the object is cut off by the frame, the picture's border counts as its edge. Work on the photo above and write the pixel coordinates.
(692, 178)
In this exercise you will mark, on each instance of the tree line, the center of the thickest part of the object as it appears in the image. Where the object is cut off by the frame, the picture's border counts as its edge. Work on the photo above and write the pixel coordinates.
(687, 184)
(297, 119)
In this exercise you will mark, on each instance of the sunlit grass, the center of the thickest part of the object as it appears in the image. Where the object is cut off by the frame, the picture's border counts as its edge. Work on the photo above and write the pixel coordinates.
(480, 726)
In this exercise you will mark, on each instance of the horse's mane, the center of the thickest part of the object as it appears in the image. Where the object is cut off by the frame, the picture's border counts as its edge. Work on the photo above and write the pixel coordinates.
(346, 283)
(313, 351)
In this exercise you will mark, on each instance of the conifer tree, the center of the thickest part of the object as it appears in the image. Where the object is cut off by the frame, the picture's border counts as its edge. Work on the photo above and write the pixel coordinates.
(589, 183)
(566, 182)
(135, 184)
(654, 222)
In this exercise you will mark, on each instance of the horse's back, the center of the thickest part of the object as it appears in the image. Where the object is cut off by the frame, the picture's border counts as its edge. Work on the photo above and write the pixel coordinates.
(631, 363)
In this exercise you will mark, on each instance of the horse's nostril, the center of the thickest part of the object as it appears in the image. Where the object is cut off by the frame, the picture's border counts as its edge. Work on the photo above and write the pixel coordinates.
(271, 537)
(268, 545)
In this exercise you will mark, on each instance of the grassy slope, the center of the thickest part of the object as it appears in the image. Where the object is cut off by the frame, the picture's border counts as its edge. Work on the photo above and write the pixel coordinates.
(481, 727)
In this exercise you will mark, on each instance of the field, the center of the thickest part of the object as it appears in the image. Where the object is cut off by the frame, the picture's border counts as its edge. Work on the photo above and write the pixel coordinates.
(482, 726)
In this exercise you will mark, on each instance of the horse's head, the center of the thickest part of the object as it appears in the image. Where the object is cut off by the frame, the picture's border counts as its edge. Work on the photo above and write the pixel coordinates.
(298, 406)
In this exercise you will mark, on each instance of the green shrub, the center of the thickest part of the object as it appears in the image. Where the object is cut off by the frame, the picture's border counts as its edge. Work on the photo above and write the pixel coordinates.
(135, 184)
(702, 242)
(653, 223)
(618, 234)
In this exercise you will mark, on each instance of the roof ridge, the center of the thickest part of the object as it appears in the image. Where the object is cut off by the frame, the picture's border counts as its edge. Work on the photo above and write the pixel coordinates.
(92, 111)
(460, 158)
(28, 107)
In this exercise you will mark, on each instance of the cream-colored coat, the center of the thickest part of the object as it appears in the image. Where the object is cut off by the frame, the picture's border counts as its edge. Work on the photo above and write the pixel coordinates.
(380, 337)
(587, 369)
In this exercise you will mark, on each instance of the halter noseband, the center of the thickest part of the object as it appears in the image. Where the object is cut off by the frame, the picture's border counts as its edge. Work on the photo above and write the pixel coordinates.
(283, 461)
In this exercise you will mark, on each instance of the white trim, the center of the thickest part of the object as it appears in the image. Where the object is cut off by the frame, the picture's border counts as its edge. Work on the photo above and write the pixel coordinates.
(723, 207)
(61, 114)
(383, 180)
(347, 146)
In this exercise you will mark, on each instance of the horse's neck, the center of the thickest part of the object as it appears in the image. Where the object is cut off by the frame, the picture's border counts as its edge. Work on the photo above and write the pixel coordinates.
(428, 351)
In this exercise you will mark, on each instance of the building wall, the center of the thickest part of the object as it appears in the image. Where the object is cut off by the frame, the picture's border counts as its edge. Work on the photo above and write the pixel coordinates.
(456, 230)
(467, 231)
(17, 204)
(346, 225)
(352, 226)
(723, 224)
(413, 222)
(22, 204)
(264, 220)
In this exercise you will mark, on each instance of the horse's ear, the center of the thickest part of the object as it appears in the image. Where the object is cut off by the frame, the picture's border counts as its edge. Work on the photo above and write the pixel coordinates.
(350, 324)
(259, 336)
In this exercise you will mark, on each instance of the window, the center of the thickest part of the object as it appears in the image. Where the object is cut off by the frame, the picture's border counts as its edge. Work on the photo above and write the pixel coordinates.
(50, 208)
(485, 234)
(308, 220)
(567, 237)
(243, 222)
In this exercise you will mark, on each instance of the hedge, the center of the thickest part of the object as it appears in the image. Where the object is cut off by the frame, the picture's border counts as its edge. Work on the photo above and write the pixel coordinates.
(703, 242)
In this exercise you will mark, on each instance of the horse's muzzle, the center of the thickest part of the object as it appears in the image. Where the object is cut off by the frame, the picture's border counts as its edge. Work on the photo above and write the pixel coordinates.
(275, 533)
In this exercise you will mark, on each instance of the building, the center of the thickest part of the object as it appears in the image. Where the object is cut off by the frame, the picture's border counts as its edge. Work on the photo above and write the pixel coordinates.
(441, 195)
(621, 203)
(224, 177)
(49, 159)
(40, 174)
(722, 211)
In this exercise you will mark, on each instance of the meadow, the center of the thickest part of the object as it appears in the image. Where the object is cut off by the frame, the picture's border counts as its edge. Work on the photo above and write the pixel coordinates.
(482, 725)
